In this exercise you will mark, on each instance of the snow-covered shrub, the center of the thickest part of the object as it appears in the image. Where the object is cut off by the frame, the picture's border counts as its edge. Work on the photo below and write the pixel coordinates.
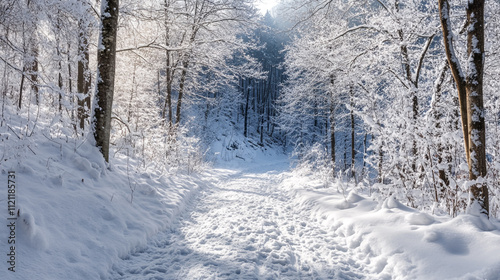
(313, 160)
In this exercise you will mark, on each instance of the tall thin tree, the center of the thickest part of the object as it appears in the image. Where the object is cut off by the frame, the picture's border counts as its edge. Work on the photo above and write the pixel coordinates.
(106, 56)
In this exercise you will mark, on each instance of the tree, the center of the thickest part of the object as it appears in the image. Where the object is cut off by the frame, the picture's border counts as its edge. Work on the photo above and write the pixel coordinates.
(470, 92)
(83, 77)
(387, 54)
(196, 50)
(106, 75)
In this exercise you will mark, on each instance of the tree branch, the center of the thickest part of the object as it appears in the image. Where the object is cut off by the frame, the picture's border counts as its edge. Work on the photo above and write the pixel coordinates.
(397, 77)
(421, 60)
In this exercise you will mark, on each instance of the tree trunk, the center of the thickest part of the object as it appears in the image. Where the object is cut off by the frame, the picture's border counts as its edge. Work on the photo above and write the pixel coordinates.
(380, 163)
(364, 154)
(168, 100)
(455, 68)
(470, 93)
(380, 157)
(168, 71)
(475, 107)
(353, 151)
(20, 103)
(106, 70)
(181, 91)
(33, 70)
(332, 138)
(345, 152)
(332, 126)
(83, 77)
(414, 142)
(60, 84)
(245, 129)
(444, 181)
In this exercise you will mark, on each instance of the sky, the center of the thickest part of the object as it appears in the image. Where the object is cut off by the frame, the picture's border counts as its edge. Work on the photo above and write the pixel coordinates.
(265, 5)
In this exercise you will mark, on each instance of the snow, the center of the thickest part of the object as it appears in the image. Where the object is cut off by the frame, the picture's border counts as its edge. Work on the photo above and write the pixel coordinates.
(76, 217)
(396, 242)
(250, 216)
(244, 227)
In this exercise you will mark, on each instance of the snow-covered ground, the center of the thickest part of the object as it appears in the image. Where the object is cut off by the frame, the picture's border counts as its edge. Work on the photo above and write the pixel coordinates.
(262, 222)
(392, 241)
(77, 217)
(251, 218)
(243, 227)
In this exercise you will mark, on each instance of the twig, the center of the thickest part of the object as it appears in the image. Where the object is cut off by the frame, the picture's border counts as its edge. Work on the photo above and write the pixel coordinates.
(20, 139)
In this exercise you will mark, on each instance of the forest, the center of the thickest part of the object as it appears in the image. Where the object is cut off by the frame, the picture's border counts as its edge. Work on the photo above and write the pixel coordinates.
(365, 91)
(143, 101)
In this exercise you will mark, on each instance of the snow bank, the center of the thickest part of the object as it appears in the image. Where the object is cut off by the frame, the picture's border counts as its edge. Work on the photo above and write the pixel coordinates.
(76, 216)
(396, 242)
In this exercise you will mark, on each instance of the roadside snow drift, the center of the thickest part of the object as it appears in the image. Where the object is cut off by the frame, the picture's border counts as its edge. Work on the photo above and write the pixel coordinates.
(396, 242)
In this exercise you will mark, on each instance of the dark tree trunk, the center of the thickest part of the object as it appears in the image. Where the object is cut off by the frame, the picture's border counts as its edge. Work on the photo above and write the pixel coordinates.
(106, 70)
(33, 70)
(168, 100)
(181, 91)
(444, 181)
(332, 139)
(353, 150)
(20, 103)
(455, 68)
(380, 164)
(83, 78)
(345, 152)
(332, 126)
(475, 106)
(414, 142)
(60, 84)
(245, 129)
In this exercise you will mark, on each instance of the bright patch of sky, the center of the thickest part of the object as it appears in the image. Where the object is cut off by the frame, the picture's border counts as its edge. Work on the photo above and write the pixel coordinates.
(265, 5)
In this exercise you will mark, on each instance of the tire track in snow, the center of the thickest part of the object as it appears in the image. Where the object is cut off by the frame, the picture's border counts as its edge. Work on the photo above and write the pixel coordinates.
(243, 227)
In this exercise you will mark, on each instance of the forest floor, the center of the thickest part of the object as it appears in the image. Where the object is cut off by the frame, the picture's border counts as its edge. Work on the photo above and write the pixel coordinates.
(245, 226)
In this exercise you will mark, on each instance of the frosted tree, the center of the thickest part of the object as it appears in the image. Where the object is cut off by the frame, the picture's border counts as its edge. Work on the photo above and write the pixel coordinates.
(318, 87)
(379, 63)
(190, 47)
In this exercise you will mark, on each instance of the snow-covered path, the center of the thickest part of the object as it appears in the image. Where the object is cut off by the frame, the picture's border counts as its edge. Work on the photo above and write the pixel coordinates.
(243, 227)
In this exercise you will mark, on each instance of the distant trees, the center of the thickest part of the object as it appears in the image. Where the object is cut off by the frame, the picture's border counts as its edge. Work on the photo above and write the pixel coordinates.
(261, 92)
